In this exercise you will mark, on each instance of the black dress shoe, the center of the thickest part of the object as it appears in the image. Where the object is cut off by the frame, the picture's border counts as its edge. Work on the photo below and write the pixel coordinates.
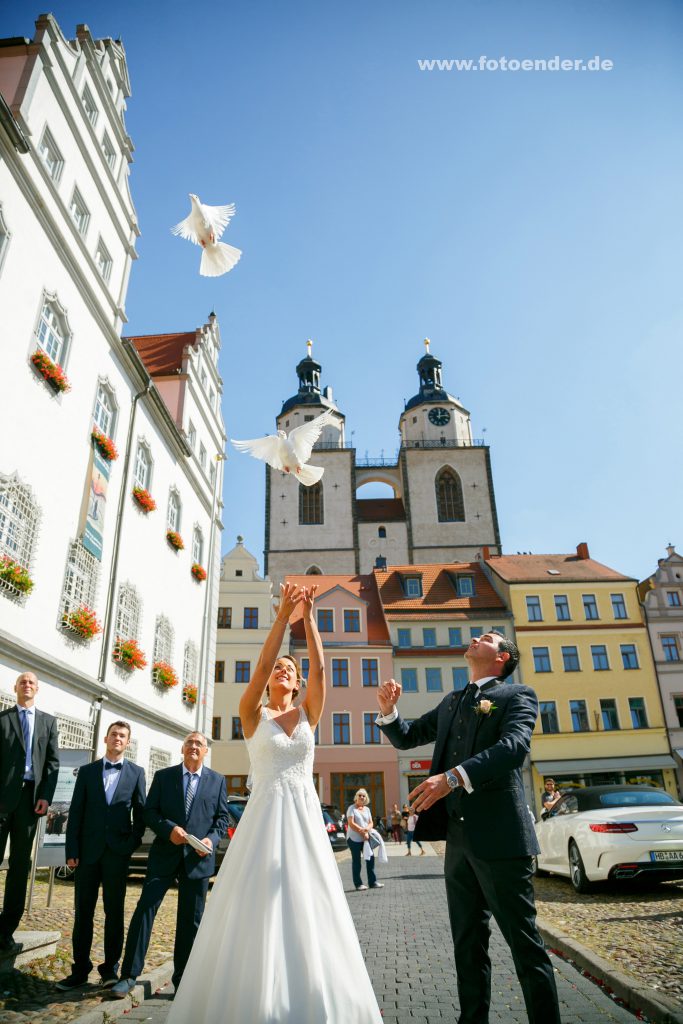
(8, 945)
(72, 982)
(108, 978)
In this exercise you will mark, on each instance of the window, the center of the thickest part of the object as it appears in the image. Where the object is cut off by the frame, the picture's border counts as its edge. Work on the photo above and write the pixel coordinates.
(158, 758)
(629, 656)
(341, 728)
(464, 586)
(191, 435)
(476, 631)
(224, 618)
(52, 332)
(590, 607)
(608, 713)
(404, 638)
(215, 728)
(429, 637)
(19, 517)
(128, 613)
(449, 501)
(638, 713)
(203, 378)
(109, 151)
(340, 672)
(460, 678)
(570, 659)
(541, 659)
(533, 609)
(5, 235)
(371, 731)
(236, 732)
(104, 414)
(600, 659)
(51, 156)
(174, 509)
(498, 629)
(678, 707)
(370, 672)
(103, 260)
(454, 636)
(562, 608)
(434, 681)
(219, 672)
(413, 586)
(202, 456)
(325, 620)
(197, 545)
(80, 579)
(163, 639)
(670, 648)
(91, 111)
(251, 618)
(381, 531)
(190, 664)
(304, 663)
(79, 213)
(409, 680)
(579, 715)
(549, 722)
(673, 599)
(351, 620)
(618, 606)
(143, 467)
(242, 671)
(311, 512)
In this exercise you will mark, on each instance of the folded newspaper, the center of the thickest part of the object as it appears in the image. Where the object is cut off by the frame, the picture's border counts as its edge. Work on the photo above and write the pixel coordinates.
(197, 844)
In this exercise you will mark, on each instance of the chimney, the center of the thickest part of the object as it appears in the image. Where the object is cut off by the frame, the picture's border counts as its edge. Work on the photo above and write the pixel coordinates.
(582, 551)
(486, 552)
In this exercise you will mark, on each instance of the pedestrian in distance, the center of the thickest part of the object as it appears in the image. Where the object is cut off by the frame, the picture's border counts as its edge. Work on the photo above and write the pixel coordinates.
(29, 768)
(359, 819)
(550, 795)
(410, 832)
(104, 828)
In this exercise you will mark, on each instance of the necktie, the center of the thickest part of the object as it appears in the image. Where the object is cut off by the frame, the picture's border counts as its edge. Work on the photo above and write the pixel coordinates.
(469, 698)
(116, 766)
(189, 794)
(26, 729)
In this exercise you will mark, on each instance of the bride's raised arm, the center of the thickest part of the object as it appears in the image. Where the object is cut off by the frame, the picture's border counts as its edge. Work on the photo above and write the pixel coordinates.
(315, 687)
(250, 702)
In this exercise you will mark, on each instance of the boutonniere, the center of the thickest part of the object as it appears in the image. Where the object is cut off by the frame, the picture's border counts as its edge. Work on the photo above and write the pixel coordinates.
(484, 707)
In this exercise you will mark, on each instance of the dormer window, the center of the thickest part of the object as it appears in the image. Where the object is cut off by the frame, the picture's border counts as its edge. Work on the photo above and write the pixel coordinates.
(464, 584)
(109, 151)
(412, 586)
(90, 107)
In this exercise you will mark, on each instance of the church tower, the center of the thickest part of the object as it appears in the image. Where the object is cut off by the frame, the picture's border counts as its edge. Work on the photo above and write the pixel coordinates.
(312, 529)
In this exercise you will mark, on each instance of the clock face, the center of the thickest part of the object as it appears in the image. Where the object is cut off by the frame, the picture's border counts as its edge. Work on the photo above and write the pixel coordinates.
(439, 417)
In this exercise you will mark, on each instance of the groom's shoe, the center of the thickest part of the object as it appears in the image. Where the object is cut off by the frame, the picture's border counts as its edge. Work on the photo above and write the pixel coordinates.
(123, 988)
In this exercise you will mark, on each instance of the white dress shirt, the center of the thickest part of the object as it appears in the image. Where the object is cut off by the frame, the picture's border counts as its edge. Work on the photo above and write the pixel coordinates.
(110, 777)
(186, 779)
(31, 718)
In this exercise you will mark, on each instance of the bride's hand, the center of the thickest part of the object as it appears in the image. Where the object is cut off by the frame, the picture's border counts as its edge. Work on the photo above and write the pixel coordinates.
(308, 598)
(290, 595)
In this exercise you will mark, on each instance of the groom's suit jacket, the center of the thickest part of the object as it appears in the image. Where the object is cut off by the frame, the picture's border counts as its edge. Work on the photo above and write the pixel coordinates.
(93, 824)
(13, 756)
(496, 822)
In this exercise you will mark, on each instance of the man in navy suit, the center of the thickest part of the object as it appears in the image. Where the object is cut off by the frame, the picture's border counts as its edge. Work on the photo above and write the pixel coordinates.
(29, 767)
(475, 800)
(186, 799)
(104, 827)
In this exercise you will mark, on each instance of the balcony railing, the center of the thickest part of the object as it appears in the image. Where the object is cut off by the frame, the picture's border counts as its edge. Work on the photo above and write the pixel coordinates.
(445, 443)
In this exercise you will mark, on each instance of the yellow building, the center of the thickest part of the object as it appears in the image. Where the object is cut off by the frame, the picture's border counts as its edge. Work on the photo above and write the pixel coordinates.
(584, 649)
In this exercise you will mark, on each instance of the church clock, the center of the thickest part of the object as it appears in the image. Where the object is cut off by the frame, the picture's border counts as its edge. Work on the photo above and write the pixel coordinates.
(439, 416)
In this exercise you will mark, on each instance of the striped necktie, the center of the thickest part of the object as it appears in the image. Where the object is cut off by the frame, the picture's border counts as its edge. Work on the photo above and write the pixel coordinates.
(26, 729)
(190, 792)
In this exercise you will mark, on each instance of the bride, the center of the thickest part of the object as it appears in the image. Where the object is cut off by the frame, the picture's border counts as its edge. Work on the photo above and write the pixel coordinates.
(277, 944)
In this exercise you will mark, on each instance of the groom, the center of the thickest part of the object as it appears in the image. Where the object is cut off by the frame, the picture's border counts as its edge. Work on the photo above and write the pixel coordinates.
(475, 800)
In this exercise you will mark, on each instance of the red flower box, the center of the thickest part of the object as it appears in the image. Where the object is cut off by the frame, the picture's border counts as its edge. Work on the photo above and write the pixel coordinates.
(49, 371)
(104, 445)
(15, 576)
(144, 499)
(199, 572)
(83, 621)
(164, 674)
(189, 694)
(128, 654)
(175, 540)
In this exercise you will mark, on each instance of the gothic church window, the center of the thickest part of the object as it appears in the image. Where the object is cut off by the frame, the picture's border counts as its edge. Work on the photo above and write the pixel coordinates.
(311, 505)
(449, 500)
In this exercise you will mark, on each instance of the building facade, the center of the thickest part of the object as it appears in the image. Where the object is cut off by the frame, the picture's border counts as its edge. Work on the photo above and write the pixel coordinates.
(584, 649)
(662, 599)
(100, 464)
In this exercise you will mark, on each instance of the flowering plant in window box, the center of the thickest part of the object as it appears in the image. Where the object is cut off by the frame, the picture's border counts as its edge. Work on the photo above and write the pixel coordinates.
(127, 653)
(104, 445)
(49, 371)
(164, 674)
(144, 499)
(82, 620)
(199, 572)
(15, 575)
(189, 693)
(175, 540)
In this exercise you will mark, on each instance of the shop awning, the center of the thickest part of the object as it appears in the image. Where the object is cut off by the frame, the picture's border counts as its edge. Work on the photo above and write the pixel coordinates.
(647, 762)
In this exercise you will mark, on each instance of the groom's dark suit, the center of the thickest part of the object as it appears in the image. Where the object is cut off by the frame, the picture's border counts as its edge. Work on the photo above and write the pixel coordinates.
(490, 839)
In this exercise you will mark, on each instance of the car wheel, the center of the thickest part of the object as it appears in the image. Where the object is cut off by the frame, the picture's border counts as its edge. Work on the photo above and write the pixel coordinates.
(577, 872)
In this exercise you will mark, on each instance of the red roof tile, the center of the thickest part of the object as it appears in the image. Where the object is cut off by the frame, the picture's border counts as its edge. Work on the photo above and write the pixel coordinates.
(162, 354)
(534, 569)
(379, 510)
(362, 586)
(438, 591)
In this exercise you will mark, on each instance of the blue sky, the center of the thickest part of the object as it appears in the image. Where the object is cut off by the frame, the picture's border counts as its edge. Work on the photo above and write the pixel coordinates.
(529, 223)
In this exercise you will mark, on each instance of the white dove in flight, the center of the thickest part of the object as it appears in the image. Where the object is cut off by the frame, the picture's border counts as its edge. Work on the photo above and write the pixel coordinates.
(203, 226)
(290, 453)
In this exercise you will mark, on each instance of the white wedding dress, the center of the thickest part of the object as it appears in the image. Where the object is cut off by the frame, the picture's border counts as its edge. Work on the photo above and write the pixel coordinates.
(277, 943)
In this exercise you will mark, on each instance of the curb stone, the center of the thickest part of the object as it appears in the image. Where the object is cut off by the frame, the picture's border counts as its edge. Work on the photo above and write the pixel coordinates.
(636, 997)
(146, 988)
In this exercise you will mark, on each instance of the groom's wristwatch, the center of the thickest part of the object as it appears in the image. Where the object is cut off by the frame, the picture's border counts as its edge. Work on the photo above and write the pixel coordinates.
(452, 780)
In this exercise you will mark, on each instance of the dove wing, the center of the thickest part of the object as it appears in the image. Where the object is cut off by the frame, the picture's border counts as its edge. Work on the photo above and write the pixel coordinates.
(304, 437)
(219, 217)
(266, 448)
(187, 229)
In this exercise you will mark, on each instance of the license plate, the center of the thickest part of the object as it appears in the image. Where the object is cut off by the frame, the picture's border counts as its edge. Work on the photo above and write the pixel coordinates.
(666, 855)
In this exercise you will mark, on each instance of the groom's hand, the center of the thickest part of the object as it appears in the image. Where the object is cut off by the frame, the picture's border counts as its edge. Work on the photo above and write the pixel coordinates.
(388, 695)
(428, 792)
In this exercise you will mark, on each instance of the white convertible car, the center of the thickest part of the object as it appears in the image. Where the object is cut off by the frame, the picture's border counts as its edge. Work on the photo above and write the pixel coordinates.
(612, 832)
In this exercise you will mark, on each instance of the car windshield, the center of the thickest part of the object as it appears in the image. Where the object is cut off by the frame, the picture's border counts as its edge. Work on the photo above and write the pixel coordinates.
(635, 799)
(236, 809)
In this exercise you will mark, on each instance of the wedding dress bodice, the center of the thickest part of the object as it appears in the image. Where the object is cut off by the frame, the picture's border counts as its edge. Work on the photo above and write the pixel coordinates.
(278, 759)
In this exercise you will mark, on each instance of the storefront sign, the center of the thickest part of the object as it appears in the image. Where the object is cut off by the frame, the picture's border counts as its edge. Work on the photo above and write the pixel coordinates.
(418, 765)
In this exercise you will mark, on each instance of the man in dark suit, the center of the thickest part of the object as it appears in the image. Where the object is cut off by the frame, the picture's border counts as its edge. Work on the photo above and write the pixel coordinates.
(475, 800)
(29, 766)
(187, 799)
(104, 827)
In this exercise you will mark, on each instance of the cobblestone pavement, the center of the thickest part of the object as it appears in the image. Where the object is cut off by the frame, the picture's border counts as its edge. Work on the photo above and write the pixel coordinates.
(405, 937)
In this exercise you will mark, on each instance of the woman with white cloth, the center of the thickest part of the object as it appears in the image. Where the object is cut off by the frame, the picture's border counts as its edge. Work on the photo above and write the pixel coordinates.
(360, 824)
(265, 952)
